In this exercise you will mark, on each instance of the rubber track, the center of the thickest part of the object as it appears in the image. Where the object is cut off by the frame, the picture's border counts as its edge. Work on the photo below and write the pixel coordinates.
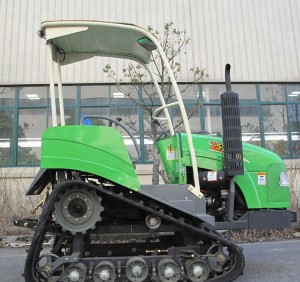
(203, 229)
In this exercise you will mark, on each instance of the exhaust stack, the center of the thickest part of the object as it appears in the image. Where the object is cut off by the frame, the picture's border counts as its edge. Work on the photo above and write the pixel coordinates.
(232, 133)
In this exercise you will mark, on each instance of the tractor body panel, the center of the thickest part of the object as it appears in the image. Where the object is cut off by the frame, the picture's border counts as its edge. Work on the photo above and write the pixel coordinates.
(96, 150)
(179, 197)
(260, 183)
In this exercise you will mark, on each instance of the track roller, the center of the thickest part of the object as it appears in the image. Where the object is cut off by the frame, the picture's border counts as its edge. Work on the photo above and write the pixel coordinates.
(168, 270)
(75, 272)
(104, 271)
(153, 221)
(197, 270)
(136, 269)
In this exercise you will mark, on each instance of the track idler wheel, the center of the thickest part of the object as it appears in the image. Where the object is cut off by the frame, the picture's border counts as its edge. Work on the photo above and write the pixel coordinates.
(136, 269)
(105, 271)
(197, 270)
(217, 259)
(75, 272)
(44, 268)
(168, 270)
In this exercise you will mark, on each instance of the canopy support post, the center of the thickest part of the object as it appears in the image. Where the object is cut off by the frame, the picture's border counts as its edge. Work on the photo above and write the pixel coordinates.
(52, 89)
(60, 95)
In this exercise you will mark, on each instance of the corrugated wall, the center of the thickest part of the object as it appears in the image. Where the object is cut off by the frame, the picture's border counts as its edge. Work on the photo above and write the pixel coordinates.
(260, 38)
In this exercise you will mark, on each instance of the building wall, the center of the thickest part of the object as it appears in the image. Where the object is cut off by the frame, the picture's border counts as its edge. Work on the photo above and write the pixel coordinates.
(144, 173)
(259, 38)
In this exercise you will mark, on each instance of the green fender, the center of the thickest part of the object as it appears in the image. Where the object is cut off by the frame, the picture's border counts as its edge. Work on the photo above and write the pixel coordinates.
(248, 188)
(99, 150)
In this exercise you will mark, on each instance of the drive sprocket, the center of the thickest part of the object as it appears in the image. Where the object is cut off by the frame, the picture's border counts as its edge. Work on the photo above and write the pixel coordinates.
(78, 210)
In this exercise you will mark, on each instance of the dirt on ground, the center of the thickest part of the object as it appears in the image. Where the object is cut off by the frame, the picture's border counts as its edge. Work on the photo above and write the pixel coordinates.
(238, 236)
(255, 235)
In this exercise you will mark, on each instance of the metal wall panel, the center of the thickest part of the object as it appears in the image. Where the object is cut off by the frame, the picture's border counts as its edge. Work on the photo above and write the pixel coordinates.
(259, 38)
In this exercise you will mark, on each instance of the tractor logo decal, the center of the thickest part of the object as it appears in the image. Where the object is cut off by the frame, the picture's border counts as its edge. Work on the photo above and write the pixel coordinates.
(216, 146)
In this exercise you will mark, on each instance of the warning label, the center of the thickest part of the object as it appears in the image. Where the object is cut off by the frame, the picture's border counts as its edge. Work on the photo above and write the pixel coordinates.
(261, 178)
(171, 153)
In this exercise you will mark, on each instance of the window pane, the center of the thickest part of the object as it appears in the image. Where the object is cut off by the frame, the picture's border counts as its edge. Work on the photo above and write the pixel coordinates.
(213, 120)
(275, 126)
(69, 94)
(94, 95)
(124, 95)
(70, 116)
(294, 119)
(34, 95)
(190, 95)
(189, 91)
(293, 92)
(211, 93)
(247, 92)
(250, 124)
(32, 123)
(272, 92)
(6, 134)
(293, 95)
(95, 111)
(7, 96)
(192, 111)
(150, 95)
(194, 120)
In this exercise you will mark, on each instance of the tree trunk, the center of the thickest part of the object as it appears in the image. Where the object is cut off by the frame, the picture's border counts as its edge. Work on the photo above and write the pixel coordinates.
(156, 156)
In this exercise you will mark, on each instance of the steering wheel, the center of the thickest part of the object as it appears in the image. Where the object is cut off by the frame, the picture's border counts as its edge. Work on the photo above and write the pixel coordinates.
(117, 123)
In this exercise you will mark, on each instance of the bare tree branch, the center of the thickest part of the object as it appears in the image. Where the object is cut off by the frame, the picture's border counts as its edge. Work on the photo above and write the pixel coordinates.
(173, 42)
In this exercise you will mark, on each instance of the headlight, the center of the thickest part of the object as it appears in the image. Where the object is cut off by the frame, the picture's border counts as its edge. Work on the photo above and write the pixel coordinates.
(283, 181)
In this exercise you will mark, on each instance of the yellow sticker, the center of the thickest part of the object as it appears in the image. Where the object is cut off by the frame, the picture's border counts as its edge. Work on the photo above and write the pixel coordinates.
(171, 153)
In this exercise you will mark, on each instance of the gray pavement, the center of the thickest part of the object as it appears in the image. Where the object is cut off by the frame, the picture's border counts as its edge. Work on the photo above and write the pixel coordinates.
(276, 261)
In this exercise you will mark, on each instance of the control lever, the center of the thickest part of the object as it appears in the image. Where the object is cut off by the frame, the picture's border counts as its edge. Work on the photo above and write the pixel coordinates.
(158, 124)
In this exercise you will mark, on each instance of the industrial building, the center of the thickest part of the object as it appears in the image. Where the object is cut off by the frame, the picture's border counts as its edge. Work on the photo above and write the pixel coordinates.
(259, 38)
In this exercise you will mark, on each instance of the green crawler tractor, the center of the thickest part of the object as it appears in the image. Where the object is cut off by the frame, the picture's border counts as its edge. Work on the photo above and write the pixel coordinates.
(109, 227)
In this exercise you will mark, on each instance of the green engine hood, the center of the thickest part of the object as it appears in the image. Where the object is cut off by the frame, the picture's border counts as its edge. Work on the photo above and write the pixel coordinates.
(210, 147)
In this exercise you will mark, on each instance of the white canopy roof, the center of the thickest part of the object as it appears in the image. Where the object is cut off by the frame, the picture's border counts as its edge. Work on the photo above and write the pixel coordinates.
(75, 41)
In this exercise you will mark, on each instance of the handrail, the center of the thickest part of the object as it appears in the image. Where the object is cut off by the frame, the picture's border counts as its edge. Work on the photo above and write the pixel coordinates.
(158, 110)
(161, 98)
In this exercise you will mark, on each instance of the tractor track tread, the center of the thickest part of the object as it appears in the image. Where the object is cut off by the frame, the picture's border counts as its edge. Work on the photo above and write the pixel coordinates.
(201, 228)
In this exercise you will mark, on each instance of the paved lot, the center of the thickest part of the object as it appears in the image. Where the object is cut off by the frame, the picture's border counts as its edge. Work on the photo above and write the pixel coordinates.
(265, 262)
(272, 261)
